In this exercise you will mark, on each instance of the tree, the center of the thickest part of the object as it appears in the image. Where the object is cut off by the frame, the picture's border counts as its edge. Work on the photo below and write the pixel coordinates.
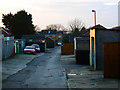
(37, 28)
(57, 27)
(19, 24)
(7, 20)
(76, 26)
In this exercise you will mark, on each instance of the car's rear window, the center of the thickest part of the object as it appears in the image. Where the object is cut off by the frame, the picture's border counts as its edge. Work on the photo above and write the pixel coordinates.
(36, 46)
(29, 47)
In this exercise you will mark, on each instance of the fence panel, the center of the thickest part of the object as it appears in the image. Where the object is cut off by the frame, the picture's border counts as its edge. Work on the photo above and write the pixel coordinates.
(111, 60)
(67, 49)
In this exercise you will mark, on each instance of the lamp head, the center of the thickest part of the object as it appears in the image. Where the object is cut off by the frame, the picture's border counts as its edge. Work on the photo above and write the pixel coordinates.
(93, 10)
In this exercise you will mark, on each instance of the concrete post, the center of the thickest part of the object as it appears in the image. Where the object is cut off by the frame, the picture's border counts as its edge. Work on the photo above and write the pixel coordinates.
(119, 13)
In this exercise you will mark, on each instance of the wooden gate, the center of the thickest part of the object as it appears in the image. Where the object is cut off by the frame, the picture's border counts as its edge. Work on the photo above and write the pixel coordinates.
(111, 60)
(67, 49)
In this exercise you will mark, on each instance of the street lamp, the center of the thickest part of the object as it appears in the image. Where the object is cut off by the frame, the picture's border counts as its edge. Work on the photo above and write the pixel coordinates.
(94, 16)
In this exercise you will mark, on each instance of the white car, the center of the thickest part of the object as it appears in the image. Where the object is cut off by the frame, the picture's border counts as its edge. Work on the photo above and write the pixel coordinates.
(29, 49)
(37, 47)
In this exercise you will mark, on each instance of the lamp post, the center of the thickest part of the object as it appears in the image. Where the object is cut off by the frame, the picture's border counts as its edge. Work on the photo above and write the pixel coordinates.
(94, 16)
(119, 13)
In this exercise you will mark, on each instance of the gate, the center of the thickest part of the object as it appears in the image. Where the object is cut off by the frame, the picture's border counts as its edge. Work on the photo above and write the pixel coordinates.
(67, 49)
(111, 60)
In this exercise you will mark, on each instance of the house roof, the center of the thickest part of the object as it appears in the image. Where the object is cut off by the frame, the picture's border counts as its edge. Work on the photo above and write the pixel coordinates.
(85, 33)
(60, 32)
(5, 32)
(49, 31)
(50, 38)
(116, 28)
(34, 36)
(98, 27)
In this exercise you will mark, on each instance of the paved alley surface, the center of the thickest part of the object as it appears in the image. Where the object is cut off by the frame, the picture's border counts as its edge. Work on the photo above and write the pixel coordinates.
(53, 70)
(43, 72)
(16, 63)
(83, 77)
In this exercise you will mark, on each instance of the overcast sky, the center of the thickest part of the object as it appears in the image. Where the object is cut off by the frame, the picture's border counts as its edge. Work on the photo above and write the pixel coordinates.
(45, 12)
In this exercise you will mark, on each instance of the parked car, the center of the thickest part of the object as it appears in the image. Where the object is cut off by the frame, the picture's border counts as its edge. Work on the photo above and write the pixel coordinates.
(37, 47)
(30, 49)
(59, 43)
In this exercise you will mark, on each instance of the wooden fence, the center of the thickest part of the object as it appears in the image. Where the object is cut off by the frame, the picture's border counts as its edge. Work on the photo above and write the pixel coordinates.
(111, 60)
(67, 49)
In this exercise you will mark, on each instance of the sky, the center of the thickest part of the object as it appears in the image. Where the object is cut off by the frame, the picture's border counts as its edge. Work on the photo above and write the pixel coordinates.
(46, 12)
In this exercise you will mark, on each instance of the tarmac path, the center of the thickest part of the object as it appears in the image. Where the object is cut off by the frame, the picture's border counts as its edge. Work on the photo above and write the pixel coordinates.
(43, 72)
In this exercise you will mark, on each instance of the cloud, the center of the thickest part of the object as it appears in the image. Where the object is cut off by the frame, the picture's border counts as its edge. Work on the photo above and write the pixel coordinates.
(111, 3)
(61, 11)
(82, 0)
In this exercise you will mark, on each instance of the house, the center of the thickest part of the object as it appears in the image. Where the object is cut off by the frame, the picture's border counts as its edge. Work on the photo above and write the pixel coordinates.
(5, 32)
(81, 47)
(54, 34)
(51, 33)
(98, 36)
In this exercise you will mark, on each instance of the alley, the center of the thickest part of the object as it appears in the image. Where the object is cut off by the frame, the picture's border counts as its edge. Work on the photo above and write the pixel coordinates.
(43, 72)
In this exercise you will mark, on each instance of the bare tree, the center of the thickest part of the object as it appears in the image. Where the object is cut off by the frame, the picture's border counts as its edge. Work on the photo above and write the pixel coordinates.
(57, 27)
(76, 25)
(51, 27)
(37, 28)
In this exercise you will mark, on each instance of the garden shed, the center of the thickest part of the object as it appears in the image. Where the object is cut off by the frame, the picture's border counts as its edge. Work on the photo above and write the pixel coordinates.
(50, 43)
(98, 36)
